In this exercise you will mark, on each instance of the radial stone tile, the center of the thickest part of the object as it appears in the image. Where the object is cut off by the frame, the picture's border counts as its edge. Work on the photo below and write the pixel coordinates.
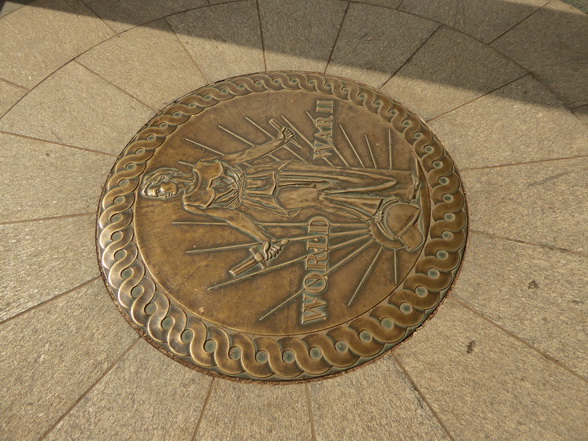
(53, 354)
(538, 295)
(9, 95)
(255, 412)
(387, 3)
(542, 203)
(122, 15)
(482, 19)
(75, 106)
(520, 122)
(69, 179)
(374, 42)
(449, 70)
(39, 260)
(316, 23)
(145, 396)
(559, 58)
(37, 39)
(375, 402)
(484, 384)
(225, 40)
(582, 114)
(148, 62)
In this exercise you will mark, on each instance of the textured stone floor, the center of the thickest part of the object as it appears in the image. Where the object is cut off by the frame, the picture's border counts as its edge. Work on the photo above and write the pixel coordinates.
(503, 83)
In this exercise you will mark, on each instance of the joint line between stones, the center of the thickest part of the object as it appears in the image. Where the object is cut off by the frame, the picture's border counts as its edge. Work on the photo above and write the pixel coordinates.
(49, 218)
(310, 414)
(204, 406)
(115, 86)
(518, 23)
(516, 337)
(68, 411)
(185, 49)
(522, 242)
(98, 17)
(511, 164)
(478, 97)
(420, 393)
(44, 302)
(261, 35)
(84, 149)
(411, 56)
(337, 38)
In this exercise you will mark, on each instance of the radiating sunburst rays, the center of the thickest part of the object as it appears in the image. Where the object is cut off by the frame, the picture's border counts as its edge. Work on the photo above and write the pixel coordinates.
(360, 242)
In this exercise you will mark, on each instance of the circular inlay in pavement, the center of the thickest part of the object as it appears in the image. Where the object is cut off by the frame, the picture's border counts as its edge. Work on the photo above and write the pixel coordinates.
(281, 226)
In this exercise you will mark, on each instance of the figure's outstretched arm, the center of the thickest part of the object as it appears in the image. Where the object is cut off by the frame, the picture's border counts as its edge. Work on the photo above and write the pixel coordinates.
(259, 150)
(235, 218)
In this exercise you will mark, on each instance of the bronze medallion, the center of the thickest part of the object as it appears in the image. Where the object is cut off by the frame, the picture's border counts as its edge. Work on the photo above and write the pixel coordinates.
(281, 226)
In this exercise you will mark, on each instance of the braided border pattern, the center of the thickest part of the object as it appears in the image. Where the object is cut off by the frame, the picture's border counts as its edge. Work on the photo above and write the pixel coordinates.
(208, 346)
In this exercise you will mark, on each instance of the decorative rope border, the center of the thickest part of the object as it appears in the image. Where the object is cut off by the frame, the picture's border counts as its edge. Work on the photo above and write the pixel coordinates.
(189, 339)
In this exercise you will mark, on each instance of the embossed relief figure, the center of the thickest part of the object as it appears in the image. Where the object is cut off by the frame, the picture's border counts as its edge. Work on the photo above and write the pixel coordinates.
(220, 186)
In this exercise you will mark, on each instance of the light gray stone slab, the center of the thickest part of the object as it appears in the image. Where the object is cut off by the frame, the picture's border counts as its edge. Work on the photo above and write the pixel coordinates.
(485, 384)
(53, 354)
(123, 15)
(520, 122)
(8, 7)
(542, 203)
(75, 106)
(386, 3)
(37, 40)
(374, 402)
(225, 39)
(9, 95)
(39, 260)
(146, 396)
(69, 180)
(238, 411)
(482, 19)
(374, 42)
(148, 62)
(315, 25)
(582, 113)
(558, 57)
(533, 292)
(449, 70)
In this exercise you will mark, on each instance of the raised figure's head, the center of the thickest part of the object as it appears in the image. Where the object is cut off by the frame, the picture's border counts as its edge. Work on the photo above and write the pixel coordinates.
(164, 183)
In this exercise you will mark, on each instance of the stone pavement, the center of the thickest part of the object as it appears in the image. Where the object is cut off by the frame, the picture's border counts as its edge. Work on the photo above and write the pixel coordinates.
(504, 84)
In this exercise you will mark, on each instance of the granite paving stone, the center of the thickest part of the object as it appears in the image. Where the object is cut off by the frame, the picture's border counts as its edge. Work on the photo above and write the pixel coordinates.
(449, 70)
(552, 45)
(393, 4)
(123, 15)
(38, 39)
(485, 384)
(9, 95)
(374, 42)
(225, 39)
(582, 113)
(541, 203)
(316, 23)
(41, 259)
(71, 179)
(520, 122)
(8, 7)
(482, 19)
(138, 61)
(146, 396)
(375, 402)
(75, 106)
(238, 411)
(534, 292)
(53, 354)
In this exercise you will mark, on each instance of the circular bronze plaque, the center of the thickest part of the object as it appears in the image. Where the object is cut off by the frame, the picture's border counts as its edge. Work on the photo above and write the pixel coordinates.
(281, 226)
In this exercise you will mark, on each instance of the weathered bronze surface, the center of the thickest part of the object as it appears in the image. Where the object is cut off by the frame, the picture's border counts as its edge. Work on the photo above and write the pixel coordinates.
(281, 226)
